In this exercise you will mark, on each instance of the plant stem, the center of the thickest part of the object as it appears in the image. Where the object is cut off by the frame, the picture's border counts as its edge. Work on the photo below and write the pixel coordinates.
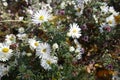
(13, 21)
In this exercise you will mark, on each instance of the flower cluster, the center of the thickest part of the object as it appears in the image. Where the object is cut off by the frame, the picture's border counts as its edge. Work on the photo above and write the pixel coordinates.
(59, 40)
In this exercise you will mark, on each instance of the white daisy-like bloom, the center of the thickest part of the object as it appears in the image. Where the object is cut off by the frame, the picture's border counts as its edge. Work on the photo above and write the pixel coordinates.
(5, 52)
(111, 20)
(63, 5)
(22, 36)
(4, 69)
(104, 8)
(5, 3)
(10, 39)
(33, 43)
(55, 46)
(21, 18)
(79, 7)
(21, 30)
(30, 11)
(112, 10)
(43, 50)
(74, 31)
(41, 16)
(47, 62)
(71, 49)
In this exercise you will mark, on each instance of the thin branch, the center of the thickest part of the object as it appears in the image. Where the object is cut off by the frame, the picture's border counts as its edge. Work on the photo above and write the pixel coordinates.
(13, 21)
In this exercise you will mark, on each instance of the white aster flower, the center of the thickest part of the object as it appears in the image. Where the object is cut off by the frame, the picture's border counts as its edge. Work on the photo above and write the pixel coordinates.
(55, 46)
(104, 8)
(41, 16)
(5, 3)
(78, 50)
(30, 11)
(22, 36)
(111, 20)
(5, 52)
(3, 70)
(74, 31)
(21, 18)
(63, 5)
(21, 30)
(71, 49)
(79, 7)
(43, 50)
(112, 10)
(47, 62)
(10, 39)
(33, 43)
(29, 54)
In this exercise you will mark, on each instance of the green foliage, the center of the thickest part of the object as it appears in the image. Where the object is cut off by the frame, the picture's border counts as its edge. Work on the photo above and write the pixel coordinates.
(96, 45)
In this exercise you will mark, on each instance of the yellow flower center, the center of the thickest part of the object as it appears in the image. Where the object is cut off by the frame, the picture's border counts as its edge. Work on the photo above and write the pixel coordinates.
(41, 18)
(74, 30)
(36, 43)
(11, 38)
(110, 21)
(79, 9)
(48, 62)
(44, 50)
(5, 50)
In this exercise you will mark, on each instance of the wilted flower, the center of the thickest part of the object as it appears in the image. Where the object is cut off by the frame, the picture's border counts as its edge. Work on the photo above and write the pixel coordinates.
(107, 28)
(85, 38)
(61, 12)
(84, 27)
